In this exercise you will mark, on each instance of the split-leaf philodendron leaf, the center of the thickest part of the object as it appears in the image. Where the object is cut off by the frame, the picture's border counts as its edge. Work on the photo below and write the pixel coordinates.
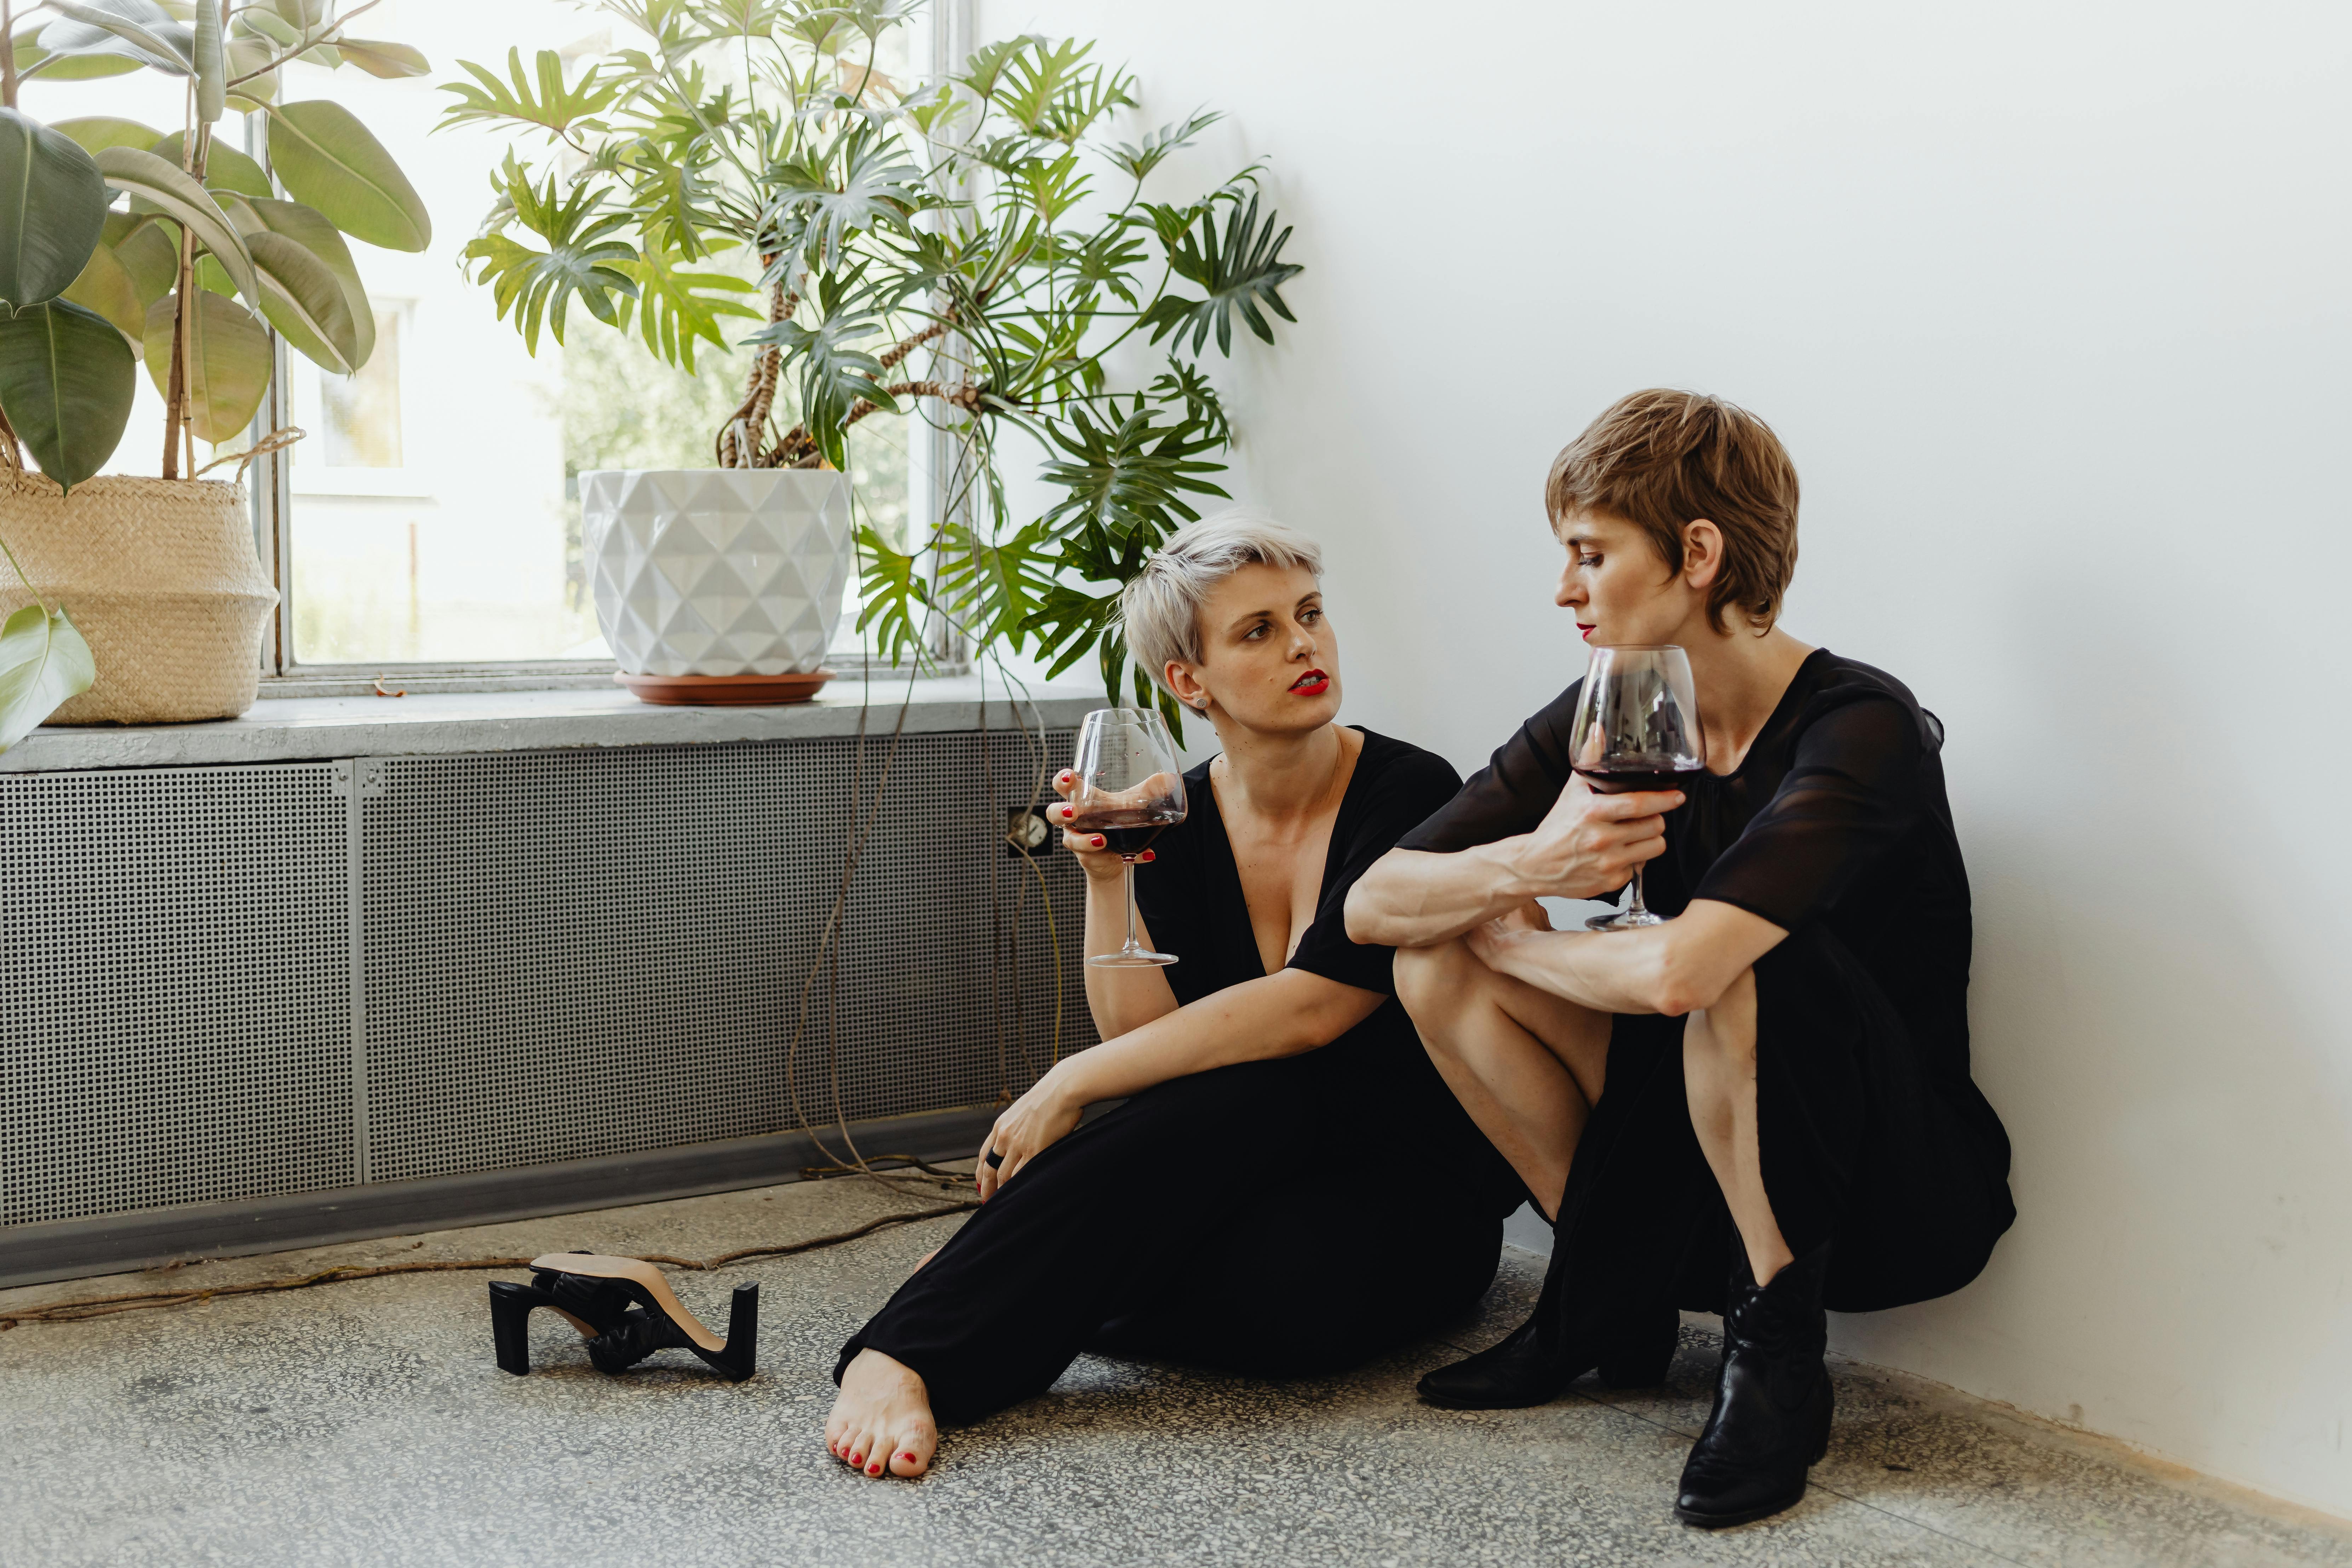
(43, 661)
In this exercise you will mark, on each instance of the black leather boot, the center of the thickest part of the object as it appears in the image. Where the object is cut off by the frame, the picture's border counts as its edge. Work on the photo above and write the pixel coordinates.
(1520, 1371)
(1771, 1414)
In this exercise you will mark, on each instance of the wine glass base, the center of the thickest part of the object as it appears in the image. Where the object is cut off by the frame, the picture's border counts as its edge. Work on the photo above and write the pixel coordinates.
(1624, 919)
(1135, 958)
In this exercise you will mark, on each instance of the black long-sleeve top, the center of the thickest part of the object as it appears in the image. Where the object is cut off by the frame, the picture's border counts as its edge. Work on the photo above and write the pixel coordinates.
(1837, 814)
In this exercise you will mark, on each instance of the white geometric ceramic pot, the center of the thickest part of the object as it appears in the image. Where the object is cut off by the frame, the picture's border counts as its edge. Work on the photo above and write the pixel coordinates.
(716, 572)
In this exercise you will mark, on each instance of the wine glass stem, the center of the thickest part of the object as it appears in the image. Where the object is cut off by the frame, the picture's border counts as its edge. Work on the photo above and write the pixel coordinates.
(1129, 876)
(1636, 908)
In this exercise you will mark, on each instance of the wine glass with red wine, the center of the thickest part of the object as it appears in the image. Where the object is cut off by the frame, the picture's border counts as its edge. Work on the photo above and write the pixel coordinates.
(1128, 790)
(1636, 727)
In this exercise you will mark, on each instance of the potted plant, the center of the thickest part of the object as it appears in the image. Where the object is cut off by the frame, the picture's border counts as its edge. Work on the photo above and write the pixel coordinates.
(123, 244)
(937, 249)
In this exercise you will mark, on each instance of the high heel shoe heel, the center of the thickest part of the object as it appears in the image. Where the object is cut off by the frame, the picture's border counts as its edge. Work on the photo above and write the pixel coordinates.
(626, 1309)
(597, 1307)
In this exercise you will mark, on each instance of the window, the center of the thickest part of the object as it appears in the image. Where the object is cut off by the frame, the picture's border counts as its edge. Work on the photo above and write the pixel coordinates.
(430, 517)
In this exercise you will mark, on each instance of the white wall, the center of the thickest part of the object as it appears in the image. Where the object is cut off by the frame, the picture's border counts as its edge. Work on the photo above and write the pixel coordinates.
(2050, 303)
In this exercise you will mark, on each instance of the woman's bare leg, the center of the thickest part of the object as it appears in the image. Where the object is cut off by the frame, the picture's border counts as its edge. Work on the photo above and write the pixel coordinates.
(1527, 1066)
(882, 1421)
(1719, 1073)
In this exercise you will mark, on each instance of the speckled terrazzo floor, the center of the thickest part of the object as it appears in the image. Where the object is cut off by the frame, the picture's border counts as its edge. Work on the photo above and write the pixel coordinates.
(364, 1424)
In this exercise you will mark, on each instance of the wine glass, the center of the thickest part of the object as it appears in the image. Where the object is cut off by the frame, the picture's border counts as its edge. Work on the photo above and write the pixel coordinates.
(1128, 790)
(1636, 727)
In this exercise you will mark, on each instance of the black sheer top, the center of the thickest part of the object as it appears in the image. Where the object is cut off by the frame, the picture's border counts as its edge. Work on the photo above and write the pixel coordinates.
(1190, 894)
(1836, 818)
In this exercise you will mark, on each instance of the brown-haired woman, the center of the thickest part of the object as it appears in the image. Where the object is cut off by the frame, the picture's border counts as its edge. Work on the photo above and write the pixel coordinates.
(1780, 1072)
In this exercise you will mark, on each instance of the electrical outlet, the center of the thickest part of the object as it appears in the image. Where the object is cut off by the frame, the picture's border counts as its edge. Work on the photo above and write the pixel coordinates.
(1027, 834)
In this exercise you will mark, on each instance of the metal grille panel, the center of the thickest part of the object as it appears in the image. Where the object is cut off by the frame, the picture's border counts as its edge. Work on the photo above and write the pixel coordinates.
(568, 954)
(176, 1025)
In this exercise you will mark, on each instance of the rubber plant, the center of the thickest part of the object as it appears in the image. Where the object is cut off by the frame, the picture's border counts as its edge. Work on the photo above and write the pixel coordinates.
(973, 252)
(121, 243)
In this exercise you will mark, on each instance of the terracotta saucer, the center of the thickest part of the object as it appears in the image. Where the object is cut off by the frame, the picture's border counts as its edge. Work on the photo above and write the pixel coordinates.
(708, 691)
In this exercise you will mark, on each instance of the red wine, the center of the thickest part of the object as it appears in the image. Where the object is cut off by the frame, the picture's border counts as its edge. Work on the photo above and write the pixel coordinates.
(1129, 829)
(1609, 779)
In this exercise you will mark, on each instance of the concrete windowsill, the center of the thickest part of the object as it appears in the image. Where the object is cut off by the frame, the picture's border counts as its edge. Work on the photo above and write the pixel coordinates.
(307, 728)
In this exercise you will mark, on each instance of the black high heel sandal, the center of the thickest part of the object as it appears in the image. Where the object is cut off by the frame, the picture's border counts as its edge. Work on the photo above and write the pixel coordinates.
(625, 1309)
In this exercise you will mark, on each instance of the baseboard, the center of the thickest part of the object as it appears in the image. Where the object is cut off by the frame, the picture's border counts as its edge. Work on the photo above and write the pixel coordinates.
(117, 1243)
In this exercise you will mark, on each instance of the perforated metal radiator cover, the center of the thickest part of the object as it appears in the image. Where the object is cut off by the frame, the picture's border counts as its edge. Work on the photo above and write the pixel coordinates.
(175, 988)
(237, 981)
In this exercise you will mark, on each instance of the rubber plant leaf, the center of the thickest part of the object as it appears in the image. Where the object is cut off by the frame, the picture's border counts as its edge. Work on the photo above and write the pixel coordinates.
(229, 363)
(328, 160)
(171, 190)
(251, 88)
(32, 60)
(305, 302)
(381, 59)
(307, 228)
(66, 379)
(225, 168)
(149, 249)
(43, 661)
(52, 209)
(107, 288)
(211, 63)
(137, 29)
(94, 133)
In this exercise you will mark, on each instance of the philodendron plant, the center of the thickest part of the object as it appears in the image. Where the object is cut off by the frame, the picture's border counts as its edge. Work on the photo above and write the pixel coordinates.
(741, 150)
(121, 243)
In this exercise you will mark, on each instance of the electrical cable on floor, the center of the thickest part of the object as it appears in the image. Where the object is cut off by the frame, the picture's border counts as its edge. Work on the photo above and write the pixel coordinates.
(89, 1307)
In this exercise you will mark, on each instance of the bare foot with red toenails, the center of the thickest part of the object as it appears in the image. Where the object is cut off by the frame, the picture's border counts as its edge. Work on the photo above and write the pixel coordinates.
(882, 1422)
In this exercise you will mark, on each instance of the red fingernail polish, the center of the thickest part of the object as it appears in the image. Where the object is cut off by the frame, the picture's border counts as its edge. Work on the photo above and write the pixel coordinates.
(1098, 841)
(1149, 855)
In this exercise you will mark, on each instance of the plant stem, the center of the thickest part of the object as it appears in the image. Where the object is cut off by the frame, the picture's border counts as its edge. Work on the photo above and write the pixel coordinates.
(13, 566)
(7, 54)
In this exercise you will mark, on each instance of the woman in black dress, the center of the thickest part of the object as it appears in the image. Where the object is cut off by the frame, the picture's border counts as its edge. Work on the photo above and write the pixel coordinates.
(1272, 1054)
(1779, 1076)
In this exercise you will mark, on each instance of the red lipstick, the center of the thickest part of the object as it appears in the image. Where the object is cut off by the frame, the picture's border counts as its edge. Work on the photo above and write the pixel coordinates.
(1313, 683)
(1584, 631)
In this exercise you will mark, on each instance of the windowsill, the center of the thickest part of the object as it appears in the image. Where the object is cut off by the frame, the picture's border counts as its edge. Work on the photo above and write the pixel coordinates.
(309, 729)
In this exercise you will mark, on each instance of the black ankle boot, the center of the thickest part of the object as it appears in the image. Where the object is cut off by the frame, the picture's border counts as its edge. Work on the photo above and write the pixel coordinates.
(1772, 1415)
(1520, 1371)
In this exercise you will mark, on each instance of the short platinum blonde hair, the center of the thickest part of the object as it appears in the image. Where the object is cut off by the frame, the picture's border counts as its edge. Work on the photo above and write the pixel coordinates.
(1162, 603)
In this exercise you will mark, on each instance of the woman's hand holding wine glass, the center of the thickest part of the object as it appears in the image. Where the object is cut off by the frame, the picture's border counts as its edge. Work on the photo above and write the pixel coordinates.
(1100, 862)
(1636, 730)
(1123, 789)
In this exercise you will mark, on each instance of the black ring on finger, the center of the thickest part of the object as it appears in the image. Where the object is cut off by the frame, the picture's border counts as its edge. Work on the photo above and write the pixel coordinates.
(994, 1159)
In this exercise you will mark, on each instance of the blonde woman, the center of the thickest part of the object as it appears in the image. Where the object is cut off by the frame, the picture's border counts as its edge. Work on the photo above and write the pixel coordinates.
(1289, 1188)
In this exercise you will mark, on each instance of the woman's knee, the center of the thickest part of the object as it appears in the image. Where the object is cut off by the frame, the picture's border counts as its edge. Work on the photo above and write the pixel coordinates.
(1432, 981)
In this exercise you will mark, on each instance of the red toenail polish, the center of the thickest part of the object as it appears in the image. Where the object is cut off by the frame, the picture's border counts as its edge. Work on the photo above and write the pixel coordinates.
(906, 1456)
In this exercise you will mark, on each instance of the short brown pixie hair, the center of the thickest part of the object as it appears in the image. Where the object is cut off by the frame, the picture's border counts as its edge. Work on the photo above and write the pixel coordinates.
(1659, 459)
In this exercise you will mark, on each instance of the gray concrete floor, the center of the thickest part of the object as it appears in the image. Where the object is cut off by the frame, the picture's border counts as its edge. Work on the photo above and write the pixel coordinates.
(365, 1423)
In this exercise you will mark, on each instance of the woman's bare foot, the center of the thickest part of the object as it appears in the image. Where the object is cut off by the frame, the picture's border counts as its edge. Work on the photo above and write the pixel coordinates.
(883, 1418)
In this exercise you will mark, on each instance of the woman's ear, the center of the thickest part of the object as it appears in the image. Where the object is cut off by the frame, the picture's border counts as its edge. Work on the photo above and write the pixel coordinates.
(1702, 553)
(1187, 687)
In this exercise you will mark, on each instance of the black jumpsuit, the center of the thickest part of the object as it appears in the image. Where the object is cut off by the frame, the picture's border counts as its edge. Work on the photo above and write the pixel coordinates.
(1834, 827)
(1281, 1217)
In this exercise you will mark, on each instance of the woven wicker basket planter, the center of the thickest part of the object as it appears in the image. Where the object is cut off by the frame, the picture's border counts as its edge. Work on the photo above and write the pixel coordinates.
(161, 577)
